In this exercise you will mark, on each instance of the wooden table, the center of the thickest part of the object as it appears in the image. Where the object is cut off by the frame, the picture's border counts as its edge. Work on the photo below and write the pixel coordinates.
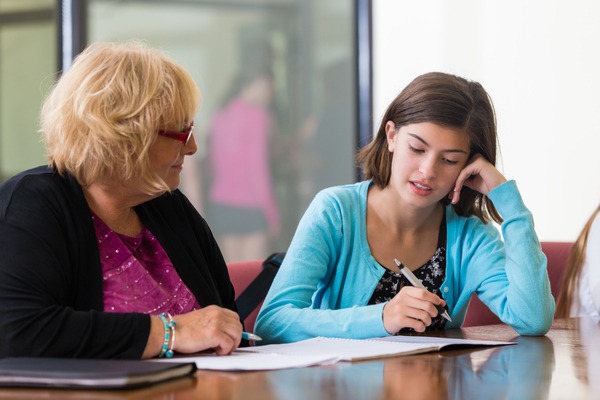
(565, 364)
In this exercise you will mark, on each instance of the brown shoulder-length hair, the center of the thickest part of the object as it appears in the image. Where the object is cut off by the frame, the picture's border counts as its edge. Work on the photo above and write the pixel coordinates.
(445, 100)
(570, 285)
(103, 114)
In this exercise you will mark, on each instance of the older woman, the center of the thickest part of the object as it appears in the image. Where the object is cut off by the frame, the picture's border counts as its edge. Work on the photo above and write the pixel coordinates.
(101, 256)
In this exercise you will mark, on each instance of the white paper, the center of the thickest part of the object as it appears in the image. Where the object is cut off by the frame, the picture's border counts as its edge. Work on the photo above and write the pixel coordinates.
(251, 361)
(345, 349)
(322, 351)
(442, 342)
(362, 349)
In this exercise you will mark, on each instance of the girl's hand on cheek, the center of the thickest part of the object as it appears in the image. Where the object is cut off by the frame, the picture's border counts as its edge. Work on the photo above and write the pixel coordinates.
(480, 175)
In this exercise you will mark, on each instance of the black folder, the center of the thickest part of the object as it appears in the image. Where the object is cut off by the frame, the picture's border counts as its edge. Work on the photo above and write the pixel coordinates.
(88, 373)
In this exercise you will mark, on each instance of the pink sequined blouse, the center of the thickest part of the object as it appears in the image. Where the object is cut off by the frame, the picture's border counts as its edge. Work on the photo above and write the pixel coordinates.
(138, 275)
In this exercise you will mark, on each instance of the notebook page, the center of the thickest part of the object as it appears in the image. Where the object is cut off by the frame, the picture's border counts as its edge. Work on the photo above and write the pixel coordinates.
(246, 361)
(442, 342)
(345, 349)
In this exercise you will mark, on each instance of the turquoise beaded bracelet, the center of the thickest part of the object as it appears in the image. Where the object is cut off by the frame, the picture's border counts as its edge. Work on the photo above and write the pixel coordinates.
(169, 324)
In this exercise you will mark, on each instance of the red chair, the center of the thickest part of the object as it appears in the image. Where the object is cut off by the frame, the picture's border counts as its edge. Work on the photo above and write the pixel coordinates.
(557, 254)
(241, 274)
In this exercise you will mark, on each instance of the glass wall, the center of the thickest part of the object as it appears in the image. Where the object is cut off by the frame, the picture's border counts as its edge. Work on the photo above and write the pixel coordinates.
(28, 64)
(278, 118)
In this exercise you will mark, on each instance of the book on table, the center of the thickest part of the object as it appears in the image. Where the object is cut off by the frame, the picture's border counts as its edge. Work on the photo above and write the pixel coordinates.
(365, 349)
(324, 351)
(88, 373)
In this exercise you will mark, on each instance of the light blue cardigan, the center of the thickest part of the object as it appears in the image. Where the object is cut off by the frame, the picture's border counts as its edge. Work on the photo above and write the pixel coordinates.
(328, 274)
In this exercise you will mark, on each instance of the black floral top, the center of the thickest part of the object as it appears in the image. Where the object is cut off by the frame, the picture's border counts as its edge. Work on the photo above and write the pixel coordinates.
(432, 274)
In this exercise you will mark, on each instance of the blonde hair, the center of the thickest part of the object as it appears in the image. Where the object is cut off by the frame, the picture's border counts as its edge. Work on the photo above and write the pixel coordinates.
(103, 114)
(570, 283)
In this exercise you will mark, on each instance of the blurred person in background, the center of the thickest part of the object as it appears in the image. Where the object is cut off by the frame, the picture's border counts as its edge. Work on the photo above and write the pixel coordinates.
(242, 205)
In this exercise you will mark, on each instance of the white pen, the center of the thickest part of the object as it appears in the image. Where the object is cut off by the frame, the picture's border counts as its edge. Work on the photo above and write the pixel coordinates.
(417, 283)
(250, 336)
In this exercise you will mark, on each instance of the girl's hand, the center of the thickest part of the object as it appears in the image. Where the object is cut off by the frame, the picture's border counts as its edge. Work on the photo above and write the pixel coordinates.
(480, 175)
(411, 308)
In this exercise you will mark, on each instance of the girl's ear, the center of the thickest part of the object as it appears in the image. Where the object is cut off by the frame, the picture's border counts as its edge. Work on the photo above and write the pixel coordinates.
(391, 134)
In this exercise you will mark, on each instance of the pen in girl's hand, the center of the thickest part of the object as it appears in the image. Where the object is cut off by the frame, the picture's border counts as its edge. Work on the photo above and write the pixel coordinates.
(417, 283)
(250, 336)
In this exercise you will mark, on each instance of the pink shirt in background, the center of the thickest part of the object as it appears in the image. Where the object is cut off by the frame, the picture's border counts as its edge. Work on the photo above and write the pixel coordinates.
(239, 153)
(138, 275)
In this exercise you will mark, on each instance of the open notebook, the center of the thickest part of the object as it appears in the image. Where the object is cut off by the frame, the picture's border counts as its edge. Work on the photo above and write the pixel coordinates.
(364, 349)
(323, 351)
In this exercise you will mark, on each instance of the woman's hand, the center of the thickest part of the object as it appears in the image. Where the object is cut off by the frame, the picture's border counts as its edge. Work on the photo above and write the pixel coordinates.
(211, 327)
(411, 308)
(480, 175)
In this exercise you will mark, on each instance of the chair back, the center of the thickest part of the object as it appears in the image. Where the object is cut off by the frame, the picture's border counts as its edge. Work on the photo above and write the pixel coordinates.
(557, 254)
(242, 274)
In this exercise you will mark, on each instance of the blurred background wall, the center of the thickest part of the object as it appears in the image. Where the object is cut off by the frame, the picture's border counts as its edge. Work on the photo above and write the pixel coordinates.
(296, 64)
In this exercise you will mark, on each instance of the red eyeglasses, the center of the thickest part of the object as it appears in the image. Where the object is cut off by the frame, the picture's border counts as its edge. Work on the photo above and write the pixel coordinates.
(183, 136)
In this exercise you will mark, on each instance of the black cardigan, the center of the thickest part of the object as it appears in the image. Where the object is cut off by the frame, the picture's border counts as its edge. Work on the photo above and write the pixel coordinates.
(51, 300)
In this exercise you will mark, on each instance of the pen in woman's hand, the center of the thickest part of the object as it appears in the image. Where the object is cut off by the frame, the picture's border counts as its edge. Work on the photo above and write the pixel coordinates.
(417, 283)
(250, 336)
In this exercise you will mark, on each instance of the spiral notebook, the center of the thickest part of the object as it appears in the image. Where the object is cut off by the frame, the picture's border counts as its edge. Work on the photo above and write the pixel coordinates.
(365, 349)
(323, 351)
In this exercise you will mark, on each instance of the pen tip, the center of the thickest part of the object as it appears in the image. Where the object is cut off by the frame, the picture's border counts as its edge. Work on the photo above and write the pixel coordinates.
(397, 262)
